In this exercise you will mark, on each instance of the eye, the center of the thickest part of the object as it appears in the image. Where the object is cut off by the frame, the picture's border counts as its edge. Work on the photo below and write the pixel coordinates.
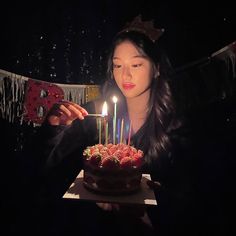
(137, 65)
(116, 66)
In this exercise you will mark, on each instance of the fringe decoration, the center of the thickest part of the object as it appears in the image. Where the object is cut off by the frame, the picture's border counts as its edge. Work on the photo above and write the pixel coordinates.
(80, 94)
(13, 90)
(75, 93)
(206, 81)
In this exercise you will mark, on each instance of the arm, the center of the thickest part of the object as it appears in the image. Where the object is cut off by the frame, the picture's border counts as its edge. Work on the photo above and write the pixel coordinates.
(56, 148)
(49, 135)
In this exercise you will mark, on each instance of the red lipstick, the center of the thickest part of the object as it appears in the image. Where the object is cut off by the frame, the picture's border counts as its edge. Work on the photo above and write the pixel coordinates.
(128, 86)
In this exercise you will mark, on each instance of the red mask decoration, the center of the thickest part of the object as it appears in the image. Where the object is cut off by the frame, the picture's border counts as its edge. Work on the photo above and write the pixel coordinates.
(39, 98)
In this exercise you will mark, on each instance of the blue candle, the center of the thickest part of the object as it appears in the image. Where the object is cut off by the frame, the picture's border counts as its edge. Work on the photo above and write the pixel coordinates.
(118, 129)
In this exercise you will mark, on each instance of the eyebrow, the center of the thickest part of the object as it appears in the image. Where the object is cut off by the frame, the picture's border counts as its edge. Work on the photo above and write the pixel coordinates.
(138, 56)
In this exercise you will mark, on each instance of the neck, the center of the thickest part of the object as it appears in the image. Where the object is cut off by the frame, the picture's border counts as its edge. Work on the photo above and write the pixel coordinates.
(138, 105)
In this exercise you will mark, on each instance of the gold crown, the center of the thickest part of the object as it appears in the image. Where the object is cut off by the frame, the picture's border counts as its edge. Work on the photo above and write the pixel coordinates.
(145, 27)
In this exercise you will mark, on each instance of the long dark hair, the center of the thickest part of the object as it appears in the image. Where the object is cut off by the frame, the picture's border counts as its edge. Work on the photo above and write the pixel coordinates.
(153, 137)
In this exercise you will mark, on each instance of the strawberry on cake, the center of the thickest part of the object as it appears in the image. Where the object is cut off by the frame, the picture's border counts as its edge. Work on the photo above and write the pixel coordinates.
(112, 169)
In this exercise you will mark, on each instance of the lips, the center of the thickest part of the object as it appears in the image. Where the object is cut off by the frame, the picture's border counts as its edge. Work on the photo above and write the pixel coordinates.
(128, 86)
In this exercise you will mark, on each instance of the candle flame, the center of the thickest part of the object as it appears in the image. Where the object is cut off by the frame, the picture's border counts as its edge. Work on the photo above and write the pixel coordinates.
(114, 99)
(104, 109)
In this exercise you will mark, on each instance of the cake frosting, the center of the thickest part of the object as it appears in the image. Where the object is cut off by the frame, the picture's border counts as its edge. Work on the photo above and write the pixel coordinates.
(112, 169)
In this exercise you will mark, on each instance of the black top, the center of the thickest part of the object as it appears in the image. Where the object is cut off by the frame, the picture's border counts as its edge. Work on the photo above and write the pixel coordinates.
(59, 150)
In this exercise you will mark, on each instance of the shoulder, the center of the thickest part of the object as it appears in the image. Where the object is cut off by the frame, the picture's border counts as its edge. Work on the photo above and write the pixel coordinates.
(181, 135)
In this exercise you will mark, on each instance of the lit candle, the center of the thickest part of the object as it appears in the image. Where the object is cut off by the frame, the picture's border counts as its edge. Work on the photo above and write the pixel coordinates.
(121, 130)
(104, 109)
(114, 120)
(130, 128)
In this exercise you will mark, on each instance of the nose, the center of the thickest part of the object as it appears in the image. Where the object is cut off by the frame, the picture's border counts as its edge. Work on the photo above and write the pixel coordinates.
(126, 74)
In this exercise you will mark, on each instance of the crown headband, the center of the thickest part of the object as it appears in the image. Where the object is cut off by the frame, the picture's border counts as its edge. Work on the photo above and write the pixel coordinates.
(145, 27)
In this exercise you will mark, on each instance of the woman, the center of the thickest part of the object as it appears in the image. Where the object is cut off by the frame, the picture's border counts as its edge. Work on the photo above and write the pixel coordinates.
(138, 76)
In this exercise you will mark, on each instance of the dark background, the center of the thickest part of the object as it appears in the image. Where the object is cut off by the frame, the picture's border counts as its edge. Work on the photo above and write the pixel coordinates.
(61, 41)
(65, 42)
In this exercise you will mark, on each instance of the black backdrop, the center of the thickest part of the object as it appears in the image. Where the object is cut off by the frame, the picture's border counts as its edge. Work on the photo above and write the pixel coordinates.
(67, 42)
(61, 41)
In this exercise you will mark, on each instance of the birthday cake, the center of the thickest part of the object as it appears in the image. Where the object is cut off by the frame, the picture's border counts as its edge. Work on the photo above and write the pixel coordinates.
(112, 169)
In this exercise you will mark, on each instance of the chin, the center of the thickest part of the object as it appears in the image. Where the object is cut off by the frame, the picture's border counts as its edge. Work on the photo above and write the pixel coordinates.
(127, 95)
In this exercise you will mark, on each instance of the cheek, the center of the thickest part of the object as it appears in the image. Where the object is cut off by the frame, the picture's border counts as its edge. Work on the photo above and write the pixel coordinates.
(117, 80)
(146, 84)
(150, 77)
(146, 78)
(117, 77)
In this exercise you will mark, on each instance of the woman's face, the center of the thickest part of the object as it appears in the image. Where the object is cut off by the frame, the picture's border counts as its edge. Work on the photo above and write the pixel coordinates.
(133, 72)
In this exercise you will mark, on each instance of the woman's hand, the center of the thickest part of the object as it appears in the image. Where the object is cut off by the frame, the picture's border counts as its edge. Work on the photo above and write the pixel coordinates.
(128, 210)
(154, 185)
(108, 206)
(64, 113)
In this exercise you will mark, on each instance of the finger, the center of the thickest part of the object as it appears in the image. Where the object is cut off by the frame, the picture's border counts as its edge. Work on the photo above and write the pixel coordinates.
(65, 110)
(101, 205)
(81, 109)
(105, 206)
(53, 120)
(70, 112)
(60, 116)
(76, 111)
(116, 207)
(62, 112)
(59, 120)
(65, 120)
(84, 112)
(68, 122)
(54, 115)
(55, 110)
(155, 185)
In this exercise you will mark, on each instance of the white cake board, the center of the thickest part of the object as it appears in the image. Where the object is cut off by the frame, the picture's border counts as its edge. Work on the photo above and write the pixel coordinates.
(145, 196)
